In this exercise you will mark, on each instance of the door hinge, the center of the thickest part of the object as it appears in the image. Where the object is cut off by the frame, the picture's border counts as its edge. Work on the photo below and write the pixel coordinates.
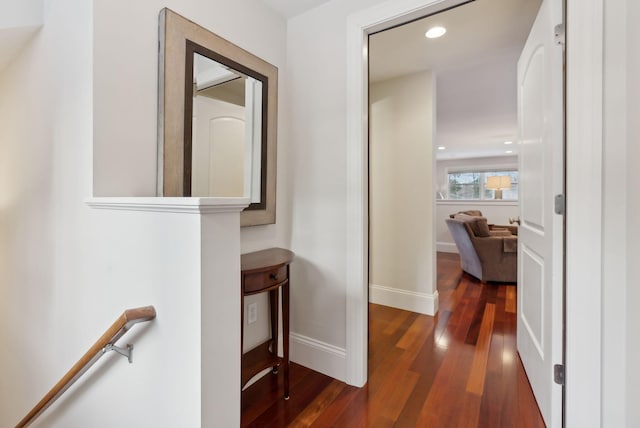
(559, 34)
(558, 204)
(558, 374)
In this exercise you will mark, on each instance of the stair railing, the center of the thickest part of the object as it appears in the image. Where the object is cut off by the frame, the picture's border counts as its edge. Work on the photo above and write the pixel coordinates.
(103, 345)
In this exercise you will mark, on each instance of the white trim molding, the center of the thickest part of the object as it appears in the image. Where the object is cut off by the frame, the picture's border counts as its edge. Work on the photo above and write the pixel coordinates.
(170, 204)
(477, 202)
(446, 247)
(414, 301)
(584, 291)
(359, 25)
(323, 357)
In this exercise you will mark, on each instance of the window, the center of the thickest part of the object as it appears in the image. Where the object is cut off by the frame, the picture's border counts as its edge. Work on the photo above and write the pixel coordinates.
(472, 185)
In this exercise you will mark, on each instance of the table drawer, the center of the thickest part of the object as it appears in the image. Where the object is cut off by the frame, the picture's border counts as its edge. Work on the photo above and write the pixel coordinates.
(254, 282)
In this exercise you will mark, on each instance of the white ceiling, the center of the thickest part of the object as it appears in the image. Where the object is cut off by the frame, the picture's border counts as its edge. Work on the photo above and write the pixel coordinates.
(476, 32)
(290, 8)
(474, 65)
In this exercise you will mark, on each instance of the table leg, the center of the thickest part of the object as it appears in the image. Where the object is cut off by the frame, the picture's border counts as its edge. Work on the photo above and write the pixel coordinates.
(241, 335)
(273, 303)
(285, 336)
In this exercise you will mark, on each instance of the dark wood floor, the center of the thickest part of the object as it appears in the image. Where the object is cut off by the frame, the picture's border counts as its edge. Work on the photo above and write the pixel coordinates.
(458, 369)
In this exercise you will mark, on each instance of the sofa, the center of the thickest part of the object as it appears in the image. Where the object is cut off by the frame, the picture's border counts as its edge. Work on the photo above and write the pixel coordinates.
(487, 253)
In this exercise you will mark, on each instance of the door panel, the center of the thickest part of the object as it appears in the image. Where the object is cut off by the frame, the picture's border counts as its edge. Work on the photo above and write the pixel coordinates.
(540, 238)
(218, 148)
(532, 297)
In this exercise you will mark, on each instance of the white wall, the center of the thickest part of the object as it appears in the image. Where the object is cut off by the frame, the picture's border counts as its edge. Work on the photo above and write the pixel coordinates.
(126, 85)
(59, 290)
(602, 291)
(125, 94)
(125, 102)
(183, 265)
(401, 240)
(44, 224)
(633, 208)
(45, 158)
(19, 14)
(19, 21)
(45, 146)
(464, 116)
(621, 204)
(317, 87)
(614, 214)
(621, 342)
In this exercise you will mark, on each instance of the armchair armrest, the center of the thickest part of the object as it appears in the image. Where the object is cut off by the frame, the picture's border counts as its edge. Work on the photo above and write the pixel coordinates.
(511, 228)
(500, 232)
(489, 249)
(496, 249)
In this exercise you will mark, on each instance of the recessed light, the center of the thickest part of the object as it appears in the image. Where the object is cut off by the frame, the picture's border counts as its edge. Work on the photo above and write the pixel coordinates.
(441, 147)
(509, 151)
(435, 32)
(508, 142)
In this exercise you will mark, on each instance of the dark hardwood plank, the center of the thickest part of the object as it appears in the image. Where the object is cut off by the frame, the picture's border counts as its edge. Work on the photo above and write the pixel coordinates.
(511, 300)
(477, 373)
(282, 412)
(311, 413)
(457, 369)
(337, 408)
(488, 295)
(258, 398)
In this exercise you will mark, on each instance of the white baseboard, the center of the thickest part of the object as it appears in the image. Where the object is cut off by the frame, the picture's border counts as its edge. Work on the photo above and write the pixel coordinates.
(413, 301)
(446, 247)
(319, 356)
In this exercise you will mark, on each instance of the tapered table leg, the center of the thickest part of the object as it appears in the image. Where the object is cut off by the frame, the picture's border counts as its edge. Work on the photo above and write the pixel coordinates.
(285, 336)
(273, 302)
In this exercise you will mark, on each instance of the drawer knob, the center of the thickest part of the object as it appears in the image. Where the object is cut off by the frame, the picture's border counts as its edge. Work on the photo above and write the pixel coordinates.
(273, 276)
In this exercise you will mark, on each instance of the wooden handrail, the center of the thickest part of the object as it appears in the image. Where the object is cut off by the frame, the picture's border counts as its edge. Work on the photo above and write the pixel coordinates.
(111, 336)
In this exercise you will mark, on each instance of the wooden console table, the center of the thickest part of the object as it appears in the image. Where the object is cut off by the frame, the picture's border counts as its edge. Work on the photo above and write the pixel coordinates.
(268, 271)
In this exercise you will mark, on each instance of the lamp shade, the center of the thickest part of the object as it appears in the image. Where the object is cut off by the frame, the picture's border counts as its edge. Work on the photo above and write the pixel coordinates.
(498, 182)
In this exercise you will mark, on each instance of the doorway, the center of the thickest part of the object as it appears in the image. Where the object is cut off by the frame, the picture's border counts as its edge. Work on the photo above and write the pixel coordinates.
(583, 401)
(438, 140)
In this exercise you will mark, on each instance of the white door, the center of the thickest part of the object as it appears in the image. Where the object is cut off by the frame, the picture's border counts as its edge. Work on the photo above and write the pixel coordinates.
(540, 255)
(218, 148)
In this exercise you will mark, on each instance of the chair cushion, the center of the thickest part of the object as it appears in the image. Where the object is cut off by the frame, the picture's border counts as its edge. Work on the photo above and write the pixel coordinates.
(479, 225)
(500, 232)
(475, 213)
(482, 227)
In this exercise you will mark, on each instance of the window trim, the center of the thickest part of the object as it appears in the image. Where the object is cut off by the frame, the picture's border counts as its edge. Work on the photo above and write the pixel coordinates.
(482, 170)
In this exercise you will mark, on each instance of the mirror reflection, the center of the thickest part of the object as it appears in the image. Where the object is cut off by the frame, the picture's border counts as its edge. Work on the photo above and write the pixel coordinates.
(217, 119)
(226, 131)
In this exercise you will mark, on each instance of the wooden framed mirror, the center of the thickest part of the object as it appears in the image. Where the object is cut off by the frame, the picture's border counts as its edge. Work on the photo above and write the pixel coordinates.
(217, 119)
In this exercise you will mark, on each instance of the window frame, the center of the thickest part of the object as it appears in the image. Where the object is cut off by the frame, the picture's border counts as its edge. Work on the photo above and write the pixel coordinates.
(483, 171)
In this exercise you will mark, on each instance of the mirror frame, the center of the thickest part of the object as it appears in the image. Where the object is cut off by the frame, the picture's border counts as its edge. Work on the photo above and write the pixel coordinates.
(177, 36)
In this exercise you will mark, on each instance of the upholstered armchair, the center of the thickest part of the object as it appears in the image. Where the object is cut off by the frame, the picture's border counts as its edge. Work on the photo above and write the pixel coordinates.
(493, 227)
(487, 254)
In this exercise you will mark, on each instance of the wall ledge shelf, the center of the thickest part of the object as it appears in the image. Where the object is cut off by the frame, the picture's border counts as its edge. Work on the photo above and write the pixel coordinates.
(191, 205)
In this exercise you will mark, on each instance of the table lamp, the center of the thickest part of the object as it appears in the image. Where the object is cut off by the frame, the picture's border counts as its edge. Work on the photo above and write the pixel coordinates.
(498, 183)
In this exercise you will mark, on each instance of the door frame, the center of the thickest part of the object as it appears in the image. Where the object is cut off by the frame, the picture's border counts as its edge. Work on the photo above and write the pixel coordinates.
(584, 141)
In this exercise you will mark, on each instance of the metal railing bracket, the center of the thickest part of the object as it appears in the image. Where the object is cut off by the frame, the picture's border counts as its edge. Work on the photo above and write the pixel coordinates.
(128, 352)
